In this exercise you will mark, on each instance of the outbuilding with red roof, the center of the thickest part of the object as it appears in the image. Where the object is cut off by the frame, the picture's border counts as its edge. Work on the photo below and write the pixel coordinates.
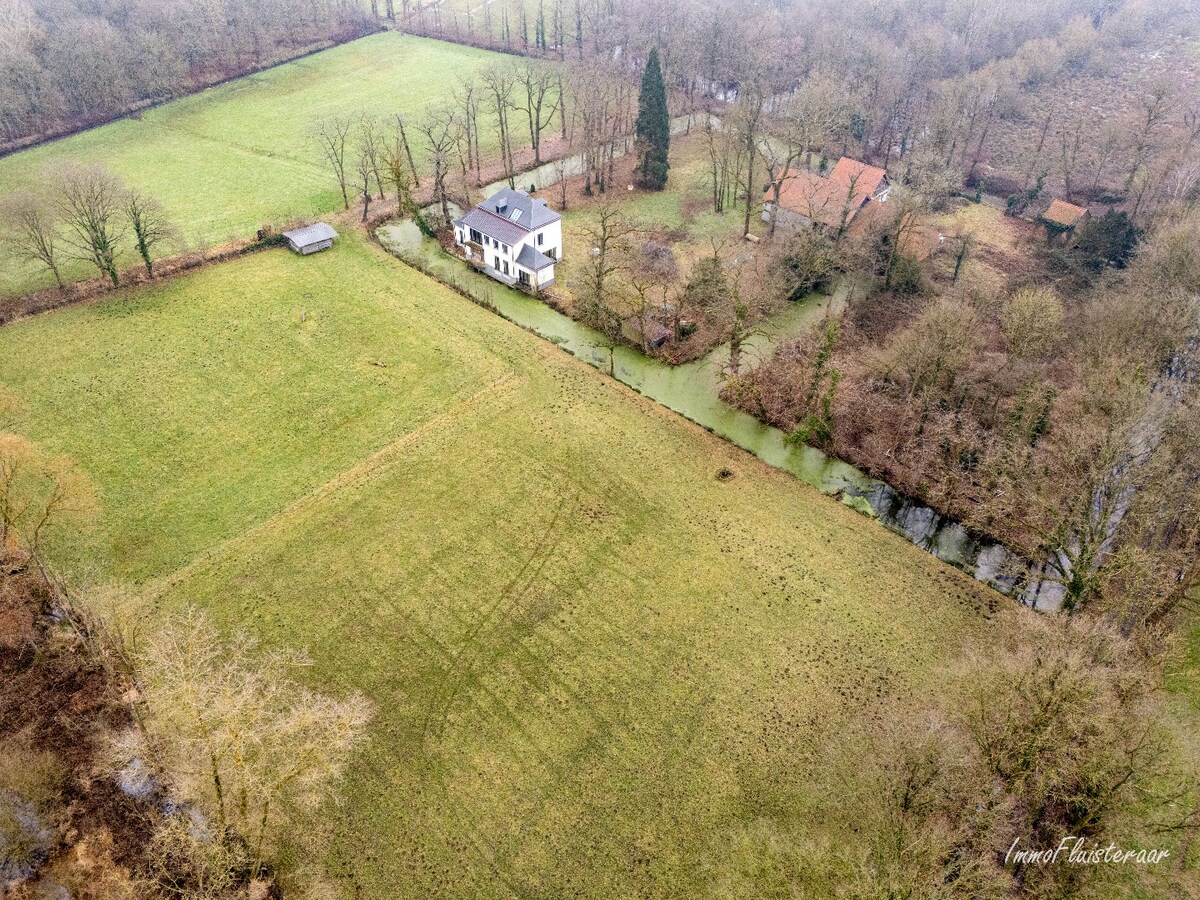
(830, 202)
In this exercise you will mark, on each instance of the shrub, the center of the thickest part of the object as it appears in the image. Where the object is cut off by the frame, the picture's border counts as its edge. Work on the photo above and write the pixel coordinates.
(907, 277)
(1032, 322)
(1107, 241)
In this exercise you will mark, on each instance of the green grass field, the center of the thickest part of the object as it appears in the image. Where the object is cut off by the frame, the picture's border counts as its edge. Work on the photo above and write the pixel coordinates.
(228, 159)
(685, 203)
(599, 671)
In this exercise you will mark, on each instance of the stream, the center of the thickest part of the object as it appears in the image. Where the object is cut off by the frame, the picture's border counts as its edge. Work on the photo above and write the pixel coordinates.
(692, 391)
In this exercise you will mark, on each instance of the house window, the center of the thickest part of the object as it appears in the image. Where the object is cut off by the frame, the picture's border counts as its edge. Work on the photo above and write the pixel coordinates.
(552, 253)
(524, 277)
(476, 236)
(540, 236)
(504, 267)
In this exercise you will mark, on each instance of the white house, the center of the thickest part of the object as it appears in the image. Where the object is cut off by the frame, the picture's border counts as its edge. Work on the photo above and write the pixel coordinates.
(513, 237)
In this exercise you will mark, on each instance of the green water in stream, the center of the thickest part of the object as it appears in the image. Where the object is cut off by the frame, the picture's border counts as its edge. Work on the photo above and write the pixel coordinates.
(692, 390)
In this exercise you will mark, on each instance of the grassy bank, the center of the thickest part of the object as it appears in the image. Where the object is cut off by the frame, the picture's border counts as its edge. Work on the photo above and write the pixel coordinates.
(599, 669)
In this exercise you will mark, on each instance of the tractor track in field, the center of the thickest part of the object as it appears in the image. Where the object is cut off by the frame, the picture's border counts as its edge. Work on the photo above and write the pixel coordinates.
(291, 162)
(463, 669)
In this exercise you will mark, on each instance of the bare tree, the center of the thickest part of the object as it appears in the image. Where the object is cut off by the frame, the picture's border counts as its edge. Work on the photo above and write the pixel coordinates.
(906, 207)
(560, 173)
(593, 92)
(364, 170)
(149, 224)
(397, 163)
(238, 734)
(1070, 145)
(542, 100)
(652, 275)
(38, 492)
(90, 205)
(748, 115)
(1144, 130)
(440, 127)
(371, 149)
(331, 137)
(500, 80)
(467, 97)
(609, 237)
(724, 155)
(402, 137)
(37, 236)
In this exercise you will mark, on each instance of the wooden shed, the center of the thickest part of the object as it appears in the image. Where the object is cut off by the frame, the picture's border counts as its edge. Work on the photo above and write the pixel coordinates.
(1064, 215)
(310, 238)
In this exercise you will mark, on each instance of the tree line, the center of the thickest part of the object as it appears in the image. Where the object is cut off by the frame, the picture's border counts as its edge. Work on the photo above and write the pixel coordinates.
(980, 86)
(87, 215)
(72, 63)
(507, 105)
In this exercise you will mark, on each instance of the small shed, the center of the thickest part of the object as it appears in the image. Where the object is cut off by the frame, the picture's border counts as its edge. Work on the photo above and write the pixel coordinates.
(310, 238)
(1064, 215)
(654, 336)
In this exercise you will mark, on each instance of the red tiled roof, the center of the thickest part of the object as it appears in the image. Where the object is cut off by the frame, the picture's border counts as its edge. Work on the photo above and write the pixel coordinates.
(866, 179)
(832, 201)
(1065, 214)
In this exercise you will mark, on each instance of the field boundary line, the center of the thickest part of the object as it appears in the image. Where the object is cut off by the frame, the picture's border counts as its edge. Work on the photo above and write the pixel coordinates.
(360, 471)
(135, 111)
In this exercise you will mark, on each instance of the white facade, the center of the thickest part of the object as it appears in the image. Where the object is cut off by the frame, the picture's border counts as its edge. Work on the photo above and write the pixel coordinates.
(513, 238)
(503, 257)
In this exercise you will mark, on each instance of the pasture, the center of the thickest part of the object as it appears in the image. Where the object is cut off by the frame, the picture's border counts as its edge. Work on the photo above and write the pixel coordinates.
(599, 669)
(228, 159)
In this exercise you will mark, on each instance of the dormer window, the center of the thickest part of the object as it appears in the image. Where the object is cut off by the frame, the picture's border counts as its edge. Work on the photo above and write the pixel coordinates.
(516, 214)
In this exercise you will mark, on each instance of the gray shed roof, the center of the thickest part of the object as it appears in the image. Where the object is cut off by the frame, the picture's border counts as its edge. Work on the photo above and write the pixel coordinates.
(534, 259)
(310, 234)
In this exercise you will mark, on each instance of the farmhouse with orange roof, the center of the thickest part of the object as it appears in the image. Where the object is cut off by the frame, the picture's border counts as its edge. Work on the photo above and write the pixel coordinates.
(832, 202)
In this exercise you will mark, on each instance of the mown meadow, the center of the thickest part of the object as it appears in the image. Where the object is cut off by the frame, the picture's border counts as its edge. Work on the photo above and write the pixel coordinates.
(226, 160)
(598, 668)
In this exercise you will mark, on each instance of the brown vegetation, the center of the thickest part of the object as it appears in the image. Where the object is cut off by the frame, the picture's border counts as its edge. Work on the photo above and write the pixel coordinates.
(1057, 735)
(1025, 413)
(65, 821)
(66, 66)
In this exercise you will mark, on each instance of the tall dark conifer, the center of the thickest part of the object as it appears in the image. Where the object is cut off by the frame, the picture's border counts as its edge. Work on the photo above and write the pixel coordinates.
(653, 128)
